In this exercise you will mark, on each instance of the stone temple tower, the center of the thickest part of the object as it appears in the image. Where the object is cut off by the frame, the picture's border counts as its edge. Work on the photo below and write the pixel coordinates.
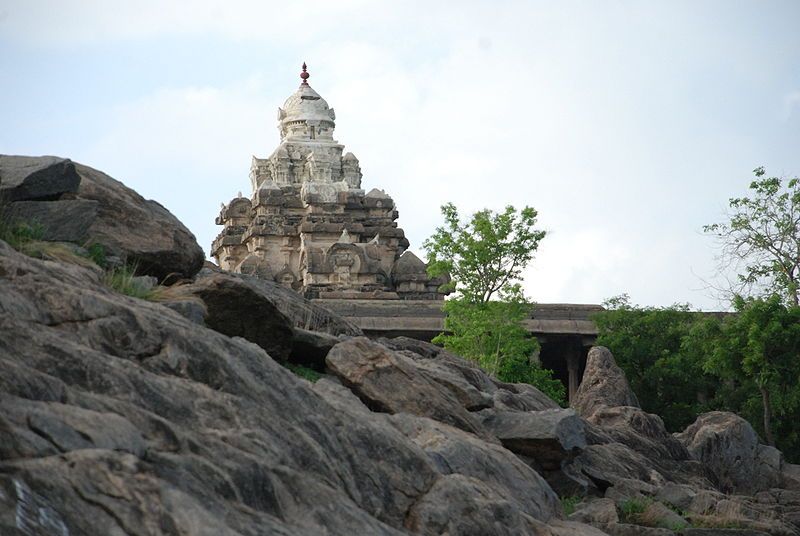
(308, 224)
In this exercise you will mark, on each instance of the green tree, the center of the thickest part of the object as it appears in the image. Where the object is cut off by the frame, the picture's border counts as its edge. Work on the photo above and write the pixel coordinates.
(660, 350)
(761, 238)
(681, 363)
(484, 257)
(492, 335)
(758, 356)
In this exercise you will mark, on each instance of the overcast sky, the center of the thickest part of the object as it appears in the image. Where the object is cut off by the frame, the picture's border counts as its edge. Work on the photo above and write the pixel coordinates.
(627, 125)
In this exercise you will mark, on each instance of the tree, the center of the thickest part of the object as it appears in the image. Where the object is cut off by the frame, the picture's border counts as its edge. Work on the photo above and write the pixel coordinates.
(761, 239)
(662, 353)
(485, 257)
(682, 363)
(492, 335)
(758, 353)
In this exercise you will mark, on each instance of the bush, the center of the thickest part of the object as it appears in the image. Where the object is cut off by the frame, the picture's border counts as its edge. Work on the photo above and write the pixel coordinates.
(492, 335)
(97, 253)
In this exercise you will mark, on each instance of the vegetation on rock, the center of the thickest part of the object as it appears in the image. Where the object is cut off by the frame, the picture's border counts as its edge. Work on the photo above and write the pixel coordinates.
(632, 508)
(123, 279)
(18, 234)
(569, 503)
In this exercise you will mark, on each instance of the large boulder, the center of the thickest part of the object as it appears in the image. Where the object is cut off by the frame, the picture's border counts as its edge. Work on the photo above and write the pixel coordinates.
(390, 382)
(74, 203)
(596, 512)
(466, 381)
(265, 313)
(729, 447)
(453, 451)
(27, 178)
(548, 437)
(603, 384)
(643, 432)
(627, 444)
(458, 504)
(616, 464)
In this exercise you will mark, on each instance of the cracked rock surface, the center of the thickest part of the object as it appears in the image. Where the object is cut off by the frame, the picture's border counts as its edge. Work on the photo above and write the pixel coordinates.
(122, 417)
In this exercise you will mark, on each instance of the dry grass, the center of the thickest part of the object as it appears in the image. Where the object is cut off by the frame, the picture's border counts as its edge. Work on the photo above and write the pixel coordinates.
(54, 251)
(717, 522)
(176, 292)
(733, 522)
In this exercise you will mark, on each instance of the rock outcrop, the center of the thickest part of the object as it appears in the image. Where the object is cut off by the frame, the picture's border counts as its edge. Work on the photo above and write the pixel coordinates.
(729, 447)
(28, 178)
(74, 203)
(263, 312)
(122, 416)
(603, 384)
(125, 416)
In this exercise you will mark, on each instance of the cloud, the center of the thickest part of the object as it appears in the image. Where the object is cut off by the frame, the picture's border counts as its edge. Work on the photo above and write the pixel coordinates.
(791, 101)
(80, 22)
(624, 137)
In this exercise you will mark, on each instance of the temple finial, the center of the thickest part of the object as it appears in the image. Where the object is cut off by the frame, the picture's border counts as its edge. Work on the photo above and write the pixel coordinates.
(304, 75)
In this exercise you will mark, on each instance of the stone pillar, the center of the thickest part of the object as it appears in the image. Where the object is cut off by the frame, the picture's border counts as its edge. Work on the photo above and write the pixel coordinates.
(574, 369)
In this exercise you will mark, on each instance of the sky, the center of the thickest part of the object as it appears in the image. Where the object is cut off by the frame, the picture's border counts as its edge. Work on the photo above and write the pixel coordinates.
(626, 124)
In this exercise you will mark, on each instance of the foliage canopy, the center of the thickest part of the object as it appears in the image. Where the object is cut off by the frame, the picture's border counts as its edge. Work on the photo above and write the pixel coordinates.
(761, 238)
(682, 363)
(485, 257)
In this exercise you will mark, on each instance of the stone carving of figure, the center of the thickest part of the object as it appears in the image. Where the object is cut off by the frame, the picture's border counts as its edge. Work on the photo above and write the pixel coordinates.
(342, 266)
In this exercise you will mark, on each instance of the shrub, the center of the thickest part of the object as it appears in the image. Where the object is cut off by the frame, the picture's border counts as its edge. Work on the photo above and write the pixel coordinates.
(97, 253)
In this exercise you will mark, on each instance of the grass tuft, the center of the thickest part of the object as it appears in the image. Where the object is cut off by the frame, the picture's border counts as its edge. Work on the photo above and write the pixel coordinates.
(304, 372)
(568, 504)
(55, 251)
(631, 509)
(677, 527)
(18, 234)
(122, 279)
(717, 522)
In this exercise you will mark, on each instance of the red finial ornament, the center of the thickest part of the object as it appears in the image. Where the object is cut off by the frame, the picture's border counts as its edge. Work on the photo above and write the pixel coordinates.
(304, 75)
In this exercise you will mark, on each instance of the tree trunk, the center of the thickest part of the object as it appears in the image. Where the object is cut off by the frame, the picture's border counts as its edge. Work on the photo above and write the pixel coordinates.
(794, 291)
(497, 358)
(767, 415)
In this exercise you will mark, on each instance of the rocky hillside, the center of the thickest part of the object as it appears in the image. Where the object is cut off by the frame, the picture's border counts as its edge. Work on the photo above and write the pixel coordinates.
(126, 416)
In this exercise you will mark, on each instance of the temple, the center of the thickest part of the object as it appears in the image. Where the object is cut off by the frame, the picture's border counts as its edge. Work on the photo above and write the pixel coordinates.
(308, 224)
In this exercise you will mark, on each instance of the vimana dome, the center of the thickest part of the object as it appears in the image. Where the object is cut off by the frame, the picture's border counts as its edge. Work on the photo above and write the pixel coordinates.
(308, 224)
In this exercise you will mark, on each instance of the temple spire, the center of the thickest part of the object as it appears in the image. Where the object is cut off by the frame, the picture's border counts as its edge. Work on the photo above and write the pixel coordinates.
(304, 75)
